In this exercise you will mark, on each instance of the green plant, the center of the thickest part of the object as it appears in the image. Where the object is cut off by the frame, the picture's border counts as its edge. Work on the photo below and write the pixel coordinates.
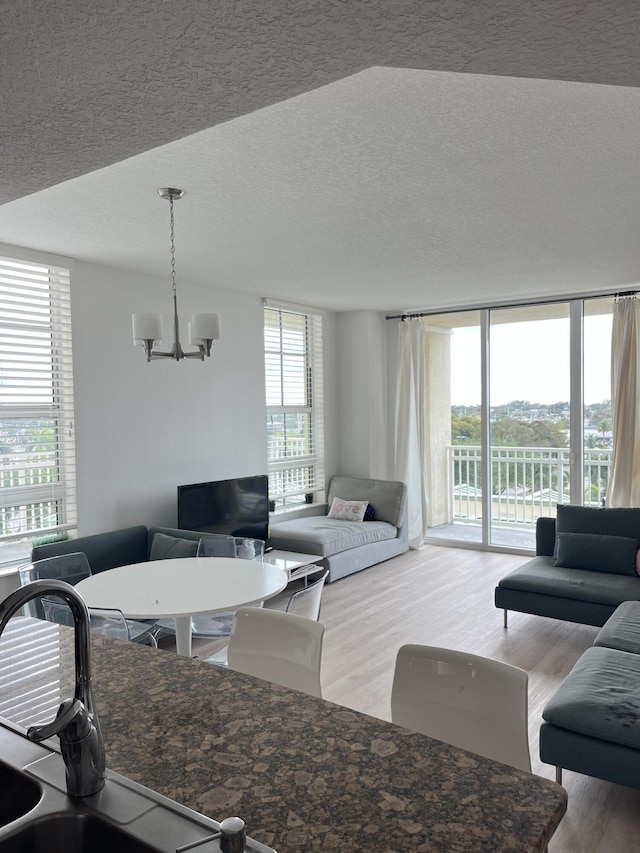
(48, 539)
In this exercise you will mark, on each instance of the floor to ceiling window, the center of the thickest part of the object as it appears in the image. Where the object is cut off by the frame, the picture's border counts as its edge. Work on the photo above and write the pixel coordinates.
(523, 422)
(294, 394)
(37, 445)
(529, 417)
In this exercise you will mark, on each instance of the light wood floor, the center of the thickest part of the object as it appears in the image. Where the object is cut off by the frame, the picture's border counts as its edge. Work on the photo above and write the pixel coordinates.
(444, 596)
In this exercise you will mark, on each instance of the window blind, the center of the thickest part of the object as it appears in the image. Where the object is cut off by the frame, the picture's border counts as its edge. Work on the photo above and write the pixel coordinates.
(37, 446)
(295, 410)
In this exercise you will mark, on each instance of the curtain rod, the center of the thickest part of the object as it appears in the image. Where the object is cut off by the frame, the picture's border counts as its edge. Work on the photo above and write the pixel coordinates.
(409, 315)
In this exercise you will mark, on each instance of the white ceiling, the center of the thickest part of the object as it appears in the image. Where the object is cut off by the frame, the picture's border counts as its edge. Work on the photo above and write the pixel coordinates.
(390, 189)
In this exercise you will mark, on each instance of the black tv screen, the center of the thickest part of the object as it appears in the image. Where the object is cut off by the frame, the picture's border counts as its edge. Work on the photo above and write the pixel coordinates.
(238, 507)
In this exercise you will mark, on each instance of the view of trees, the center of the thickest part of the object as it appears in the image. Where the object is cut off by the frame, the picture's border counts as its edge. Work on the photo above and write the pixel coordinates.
(522, 424)
(508, 432)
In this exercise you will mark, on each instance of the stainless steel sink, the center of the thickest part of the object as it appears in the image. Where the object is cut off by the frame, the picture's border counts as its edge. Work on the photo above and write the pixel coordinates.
(62, 833)
(20, 794)
(38, 816)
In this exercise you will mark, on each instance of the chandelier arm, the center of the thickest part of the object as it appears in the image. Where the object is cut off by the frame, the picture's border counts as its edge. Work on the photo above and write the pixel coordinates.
(158, 354)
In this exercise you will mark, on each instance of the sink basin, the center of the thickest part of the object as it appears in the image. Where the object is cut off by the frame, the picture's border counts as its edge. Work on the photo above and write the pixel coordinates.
(72, 833)
(20, 794)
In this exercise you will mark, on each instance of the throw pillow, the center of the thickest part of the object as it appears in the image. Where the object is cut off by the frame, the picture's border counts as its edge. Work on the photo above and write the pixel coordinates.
(610, 521)
(369, 513)
(597, 553)
(166, 547)
(347, 510)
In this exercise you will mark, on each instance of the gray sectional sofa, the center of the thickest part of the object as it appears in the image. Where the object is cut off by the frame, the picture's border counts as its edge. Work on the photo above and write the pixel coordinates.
(592, 722)
(125, 546)
(347, 546)
(585, 566)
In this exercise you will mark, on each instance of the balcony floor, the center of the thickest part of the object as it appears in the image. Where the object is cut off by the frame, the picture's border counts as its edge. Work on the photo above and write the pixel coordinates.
(469, 532)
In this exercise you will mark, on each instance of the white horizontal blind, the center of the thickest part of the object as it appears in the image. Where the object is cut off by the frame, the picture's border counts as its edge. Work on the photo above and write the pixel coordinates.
(295, 411)
(37, 446)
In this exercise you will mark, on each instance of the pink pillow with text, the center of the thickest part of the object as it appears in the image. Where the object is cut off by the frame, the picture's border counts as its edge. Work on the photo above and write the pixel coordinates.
(347, 510)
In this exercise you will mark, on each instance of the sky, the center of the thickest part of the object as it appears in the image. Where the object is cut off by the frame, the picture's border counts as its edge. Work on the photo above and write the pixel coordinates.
(530, 361)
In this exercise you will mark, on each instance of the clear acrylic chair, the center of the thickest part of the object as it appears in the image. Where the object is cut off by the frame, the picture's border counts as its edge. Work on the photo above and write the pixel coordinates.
(73, 568)
(308, 600)
(277, 646)
(218, 625)
(472, 702)
(106, 622)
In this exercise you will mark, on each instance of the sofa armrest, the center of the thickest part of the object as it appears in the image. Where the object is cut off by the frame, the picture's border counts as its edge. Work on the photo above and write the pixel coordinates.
(545, 536)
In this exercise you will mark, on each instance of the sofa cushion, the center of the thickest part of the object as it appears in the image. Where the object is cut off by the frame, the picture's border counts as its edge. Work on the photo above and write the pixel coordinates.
(539, 575)
(369, 513)
(622, 629)
(324, 536)
(597, 552)
(166, 547)
(614, 521)
(600, 697)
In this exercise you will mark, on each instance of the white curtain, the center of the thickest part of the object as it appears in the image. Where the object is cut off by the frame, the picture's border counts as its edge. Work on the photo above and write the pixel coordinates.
(410, 427)
(624, 481)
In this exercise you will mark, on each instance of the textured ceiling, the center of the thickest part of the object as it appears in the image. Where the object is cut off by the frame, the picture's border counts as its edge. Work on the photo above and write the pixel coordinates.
(393, 188)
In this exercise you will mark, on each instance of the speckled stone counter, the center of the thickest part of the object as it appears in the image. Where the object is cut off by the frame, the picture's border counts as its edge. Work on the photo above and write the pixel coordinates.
(305, 774)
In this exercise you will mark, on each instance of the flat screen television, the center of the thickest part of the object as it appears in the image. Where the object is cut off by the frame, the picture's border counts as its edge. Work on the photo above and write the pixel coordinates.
(238, 507)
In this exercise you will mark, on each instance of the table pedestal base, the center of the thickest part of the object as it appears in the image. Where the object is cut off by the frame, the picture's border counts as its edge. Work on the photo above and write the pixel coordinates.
(183, 635)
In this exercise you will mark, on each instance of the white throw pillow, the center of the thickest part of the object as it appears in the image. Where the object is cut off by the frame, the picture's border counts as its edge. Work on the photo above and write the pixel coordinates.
(347, 510)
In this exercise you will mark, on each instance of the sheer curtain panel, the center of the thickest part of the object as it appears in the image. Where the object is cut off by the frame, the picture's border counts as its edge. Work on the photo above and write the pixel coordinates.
(410, 427)
(624, 481)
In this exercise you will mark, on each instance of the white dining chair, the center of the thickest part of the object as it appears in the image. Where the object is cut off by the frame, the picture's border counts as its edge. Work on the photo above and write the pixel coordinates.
(304, 602)
(472, 702)
(277, 646)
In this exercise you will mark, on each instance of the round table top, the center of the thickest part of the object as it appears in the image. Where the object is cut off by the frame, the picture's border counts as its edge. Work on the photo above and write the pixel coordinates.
(188, 586)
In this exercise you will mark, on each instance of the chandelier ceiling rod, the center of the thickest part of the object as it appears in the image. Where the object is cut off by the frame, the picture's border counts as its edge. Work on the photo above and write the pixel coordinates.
(204, 329)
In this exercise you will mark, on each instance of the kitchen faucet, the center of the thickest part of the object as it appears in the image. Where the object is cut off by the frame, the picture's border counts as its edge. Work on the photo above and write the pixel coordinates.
(76, 722)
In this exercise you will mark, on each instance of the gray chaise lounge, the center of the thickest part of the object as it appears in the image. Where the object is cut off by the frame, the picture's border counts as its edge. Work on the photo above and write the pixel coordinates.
(347, 546)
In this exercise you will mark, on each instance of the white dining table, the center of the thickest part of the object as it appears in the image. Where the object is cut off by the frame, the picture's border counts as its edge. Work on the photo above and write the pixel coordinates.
(182, 588)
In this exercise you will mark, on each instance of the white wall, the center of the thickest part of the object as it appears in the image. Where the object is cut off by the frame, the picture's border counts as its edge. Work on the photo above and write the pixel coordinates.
(363, 426)
(142, 429)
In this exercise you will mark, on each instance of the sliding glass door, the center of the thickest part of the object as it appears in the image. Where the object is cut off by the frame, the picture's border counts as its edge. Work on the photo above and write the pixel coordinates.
(529, 418)
(520, 420)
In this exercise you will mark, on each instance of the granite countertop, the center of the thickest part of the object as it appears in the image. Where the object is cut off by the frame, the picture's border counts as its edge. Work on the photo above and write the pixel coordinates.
(305, 774)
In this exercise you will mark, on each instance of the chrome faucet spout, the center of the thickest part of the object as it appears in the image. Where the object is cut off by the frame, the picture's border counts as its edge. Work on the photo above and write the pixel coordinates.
(76, 723)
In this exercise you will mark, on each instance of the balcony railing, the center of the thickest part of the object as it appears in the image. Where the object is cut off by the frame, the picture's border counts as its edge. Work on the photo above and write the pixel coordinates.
(527, 482)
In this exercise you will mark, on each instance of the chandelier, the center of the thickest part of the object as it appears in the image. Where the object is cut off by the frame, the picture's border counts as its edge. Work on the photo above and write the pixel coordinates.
(204, 329)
